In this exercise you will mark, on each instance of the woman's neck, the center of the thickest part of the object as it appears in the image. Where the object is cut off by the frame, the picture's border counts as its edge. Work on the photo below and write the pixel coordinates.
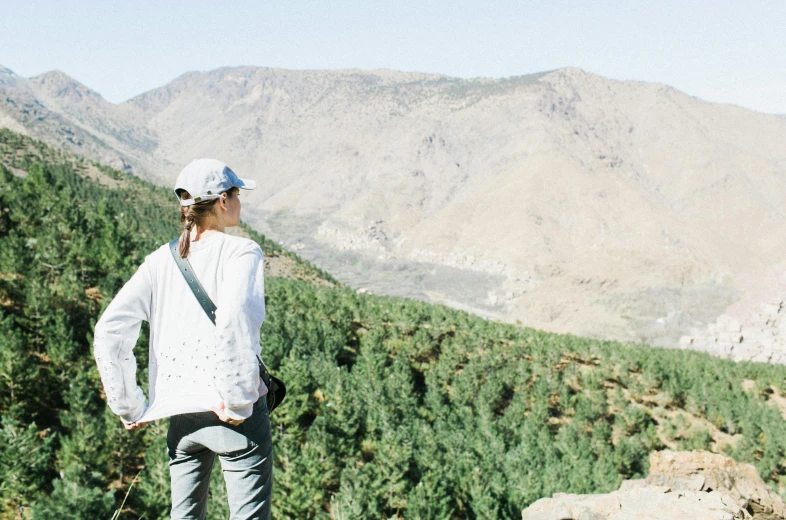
(201, 234)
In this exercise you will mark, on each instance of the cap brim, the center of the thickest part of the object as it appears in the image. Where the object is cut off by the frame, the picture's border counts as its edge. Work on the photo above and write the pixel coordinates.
(246, 184)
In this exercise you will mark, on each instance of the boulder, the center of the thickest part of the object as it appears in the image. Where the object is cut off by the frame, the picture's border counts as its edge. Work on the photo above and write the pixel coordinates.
(696, 485)
(705, 471)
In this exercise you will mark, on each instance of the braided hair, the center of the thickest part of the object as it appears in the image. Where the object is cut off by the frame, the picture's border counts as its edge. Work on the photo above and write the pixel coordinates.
(196, 214)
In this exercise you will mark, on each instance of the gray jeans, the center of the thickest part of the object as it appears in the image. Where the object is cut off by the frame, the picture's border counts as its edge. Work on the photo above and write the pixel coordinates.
(245, 452)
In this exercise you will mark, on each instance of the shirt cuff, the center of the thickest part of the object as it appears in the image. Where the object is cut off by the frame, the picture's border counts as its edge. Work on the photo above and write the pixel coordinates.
(242, 412)
(132, 417)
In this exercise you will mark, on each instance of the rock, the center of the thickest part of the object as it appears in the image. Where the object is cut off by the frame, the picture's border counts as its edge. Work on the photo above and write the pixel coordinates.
(646, 503)
(697, 485)
(702, 471)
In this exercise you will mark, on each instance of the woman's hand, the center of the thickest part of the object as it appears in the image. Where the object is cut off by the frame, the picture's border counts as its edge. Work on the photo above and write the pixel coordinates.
(134, 426)
(221, 413)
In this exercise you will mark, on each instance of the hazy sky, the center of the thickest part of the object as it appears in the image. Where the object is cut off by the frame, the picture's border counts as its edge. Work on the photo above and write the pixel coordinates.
(733, 52)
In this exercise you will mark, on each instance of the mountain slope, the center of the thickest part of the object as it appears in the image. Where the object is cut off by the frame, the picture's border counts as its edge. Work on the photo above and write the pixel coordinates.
(19, 152)
(564, 200)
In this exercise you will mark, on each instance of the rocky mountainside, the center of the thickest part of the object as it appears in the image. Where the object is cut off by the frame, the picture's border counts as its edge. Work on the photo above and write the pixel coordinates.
(60, 111)
(564, 200)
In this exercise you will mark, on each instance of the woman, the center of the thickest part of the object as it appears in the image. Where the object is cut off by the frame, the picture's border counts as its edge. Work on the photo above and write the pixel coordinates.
(204, 376)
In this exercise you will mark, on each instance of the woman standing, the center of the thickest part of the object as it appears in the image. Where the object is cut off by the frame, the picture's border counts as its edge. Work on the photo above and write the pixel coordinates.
(204, 376)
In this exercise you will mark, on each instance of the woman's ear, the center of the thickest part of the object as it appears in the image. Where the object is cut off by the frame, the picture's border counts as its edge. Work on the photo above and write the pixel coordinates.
(223, 201)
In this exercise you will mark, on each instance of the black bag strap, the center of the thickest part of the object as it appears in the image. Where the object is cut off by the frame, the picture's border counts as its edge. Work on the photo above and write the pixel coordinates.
(193, 282)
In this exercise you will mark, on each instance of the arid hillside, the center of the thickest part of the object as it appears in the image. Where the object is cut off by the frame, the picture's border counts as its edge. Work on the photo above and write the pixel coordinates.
(564, 200)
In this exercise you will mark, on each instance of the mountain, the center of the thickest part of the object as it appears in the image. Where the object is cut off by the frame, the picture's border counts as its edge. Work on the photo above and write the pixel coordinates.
(65, 113)
(563, 200)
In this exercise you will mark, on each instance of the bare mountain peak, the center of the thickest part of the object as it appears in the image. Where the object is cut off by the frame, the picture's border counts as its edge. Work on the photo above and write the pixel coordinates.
(9, 78)
(57, 84)
(573, 74)
(227, 85)
(581, 78)
(54, 76)
(312, 76)
(573, 71)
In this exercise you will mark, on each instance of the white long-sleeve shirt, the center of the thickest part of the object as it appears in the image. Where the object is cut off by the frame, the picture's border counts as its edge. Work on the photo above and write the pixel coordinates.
(194, 365)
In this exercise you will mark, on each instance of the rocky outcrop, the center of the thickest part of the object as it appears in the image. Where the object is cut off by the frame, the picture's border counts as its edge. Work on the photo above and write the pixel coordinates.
(759, 337)
(697, 485)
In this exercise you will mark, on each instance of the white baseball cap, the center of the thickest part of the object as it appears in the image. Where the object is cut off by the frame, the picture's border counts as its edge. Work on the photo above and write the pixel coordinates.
(206, 179)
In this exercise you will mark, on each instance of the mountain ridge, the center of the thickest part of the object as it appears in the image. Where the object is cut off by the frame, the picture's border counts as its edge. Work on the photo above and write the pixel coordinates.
(380, 72)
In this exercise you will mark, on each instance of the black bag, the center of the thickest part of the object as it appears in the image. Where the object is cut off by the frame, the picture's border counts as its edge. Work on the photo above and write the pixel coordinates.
(276, 389)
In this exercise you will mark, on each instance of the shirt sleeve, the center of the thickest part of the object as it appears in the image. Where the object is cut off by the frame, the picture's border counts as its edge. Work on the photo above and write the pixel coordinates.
(239, 316)
(116, 333)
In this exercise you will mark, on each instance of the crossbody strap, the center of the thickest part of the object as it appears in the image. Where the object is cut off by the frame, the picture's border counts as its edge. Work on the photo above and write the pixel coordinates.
(201, 295)
(193, 282)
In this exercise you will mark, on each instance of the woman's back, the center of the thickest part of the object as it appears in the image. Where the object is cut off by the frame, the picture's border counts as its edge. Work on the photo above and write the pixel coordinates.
(194, 365)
